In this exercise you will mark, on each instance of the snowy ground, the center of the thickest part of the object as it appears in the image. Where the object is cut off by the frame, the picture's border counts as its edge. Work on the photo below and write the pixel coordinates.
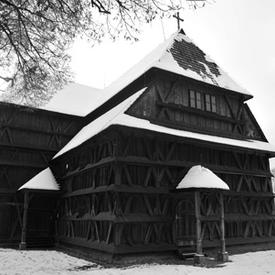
(53, 262)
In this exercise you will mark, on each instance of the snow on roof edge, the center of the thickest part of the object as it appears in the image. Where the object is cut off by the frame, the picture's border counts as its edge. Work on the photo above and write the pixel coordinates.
(152, 60)
(78, 99)
(137, 70)
(99, 124)
(131, 121)
(44, 180)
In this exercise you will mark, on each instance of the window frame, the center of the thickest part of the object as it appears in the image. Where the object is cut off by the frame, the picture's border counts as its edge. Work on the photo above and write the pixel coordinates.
(202, 101)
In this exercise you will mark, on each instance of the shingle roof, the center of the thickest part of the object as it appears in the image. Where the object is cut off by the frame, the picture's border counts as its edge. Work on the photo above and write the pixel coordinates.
(180, 55)
(183, 57)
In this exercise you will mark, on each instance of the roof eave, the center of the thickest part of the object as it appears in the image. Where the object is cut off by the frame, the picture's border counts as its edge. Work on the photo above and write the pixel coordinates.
(245, 96)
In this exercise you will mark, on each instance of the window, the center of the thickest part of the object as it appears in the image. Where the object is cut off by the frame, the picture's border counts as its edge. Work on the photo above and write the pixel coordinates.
(198, 100)
(213, 104)
(210, 103)
(195, 99)
(192, 99)
(207, 103)
(202, 101)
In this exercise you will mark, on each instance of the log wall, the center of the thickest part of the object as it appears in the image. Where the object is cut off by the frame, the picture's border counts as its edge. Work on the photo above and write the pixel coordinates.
(117, 191)
(29, 138)
(186, 104)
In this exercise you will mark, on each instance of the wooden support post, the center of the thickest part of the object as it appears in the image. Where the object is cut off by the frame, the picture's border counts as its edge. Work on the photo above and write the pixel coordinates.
(199, 257)
(23, 244)
(117, 169)
(222, 255)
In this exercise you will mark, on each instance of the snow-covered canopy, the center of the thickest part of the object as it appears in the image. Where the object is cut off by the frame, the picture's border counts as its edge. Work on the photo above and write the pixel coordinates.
(74, 99)
(43, 181)
(201, 177)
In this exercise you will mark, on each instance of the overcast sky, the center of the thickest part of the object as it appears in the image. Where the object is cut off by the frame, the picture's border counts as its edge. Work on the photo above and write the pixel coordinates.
(238, 34)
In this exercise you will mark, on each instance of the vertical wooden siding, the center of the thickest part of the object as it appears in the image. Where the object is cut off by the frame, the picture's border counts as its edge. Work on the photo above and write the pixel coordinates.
(119, 201)
(28, 140)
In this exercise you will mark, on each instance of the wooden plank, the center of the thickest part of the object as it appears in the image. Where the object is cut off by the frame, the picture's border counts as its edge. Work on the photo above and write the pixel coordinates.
(23, 243)
(130, 218)
(117, 188)
(196, 111)
(244, 217)
(222, 227)
(198, 223)
(175, 163)
(102, 162)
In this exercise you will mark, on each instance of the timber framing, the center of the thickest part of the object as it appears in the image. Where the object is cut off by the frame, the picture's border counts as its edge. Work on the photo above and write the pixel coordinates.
(29, 138)
(116, 192)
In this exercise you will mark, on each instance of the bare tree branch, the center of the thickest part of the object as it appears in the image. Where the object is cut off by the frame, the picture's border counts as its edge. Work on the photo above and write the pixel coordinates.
(35, 36)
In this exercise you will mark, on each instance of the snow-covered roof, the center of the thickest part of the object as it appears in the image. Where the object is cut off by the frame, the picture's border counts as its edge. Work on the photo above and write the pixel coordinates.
(99, 124)
(74, 99)
(179, 55)
(201, 177)
(42, 181)
(117, 116)
(135, 122)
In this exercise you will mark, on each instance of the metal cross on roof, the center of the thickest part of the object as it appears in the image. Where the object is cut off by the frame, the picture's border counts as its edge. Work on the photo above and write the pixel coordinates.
(179, 19)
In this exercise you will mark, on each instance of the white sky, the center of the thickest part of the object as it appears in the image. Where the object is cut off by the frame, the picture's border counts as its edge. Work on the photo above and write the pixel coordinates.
(238, 34)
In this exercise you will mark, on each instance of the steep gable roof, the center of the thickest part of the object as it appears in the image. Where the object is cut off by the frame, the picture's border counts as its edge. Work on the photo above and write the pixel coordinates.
(179, 55)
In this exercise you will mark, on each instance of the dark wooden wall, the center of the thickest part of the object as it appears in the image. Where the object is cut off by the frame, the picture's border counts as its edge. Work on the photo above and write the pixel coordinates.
(29, 138)
(210, 110)
(117, 195)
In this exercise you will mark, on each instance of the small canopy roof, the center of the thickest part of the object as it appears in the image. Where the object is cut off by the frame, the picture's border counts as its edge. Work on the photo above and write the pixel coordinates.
(42, 181)
(201, 177)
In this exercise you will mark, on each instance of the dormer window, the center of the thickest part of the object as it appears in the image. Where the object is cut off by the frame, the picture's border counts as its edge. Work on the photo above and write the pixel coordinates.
(207, 103)
(210, 103)
(202, 101)
(195, 99)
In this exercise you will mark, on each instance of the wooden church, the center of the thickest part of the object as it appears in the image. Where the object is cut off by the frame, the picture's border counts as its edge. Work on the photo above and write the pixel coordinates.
(171, 158)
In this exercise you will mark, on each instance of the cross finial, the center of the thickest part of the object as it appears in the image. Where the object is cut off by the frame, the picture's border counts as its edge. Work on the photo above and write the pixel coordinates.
(179, 19)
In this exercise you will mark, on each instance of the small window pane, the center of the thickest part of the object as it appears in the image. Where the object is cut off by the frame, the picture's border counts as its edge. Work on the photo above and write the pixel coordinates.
(198, 100)
(213, 104)
(192, 99)
(207, 103)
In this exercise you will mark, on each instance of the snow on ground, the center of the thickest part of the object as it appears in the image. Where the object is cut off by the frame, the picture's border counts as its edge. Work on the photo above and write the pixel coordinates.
(53, 262)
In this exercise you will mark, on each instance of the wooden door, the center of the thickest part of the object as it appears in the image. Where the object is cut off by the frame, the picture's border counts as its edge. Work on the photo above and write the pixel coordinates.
(185, 229)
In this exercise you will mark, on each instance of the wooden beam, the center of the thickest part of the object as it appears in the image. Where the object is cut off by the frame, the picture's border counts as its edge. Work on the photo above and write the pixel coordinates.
(198, 223)
(222, 255)
(23, 244)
